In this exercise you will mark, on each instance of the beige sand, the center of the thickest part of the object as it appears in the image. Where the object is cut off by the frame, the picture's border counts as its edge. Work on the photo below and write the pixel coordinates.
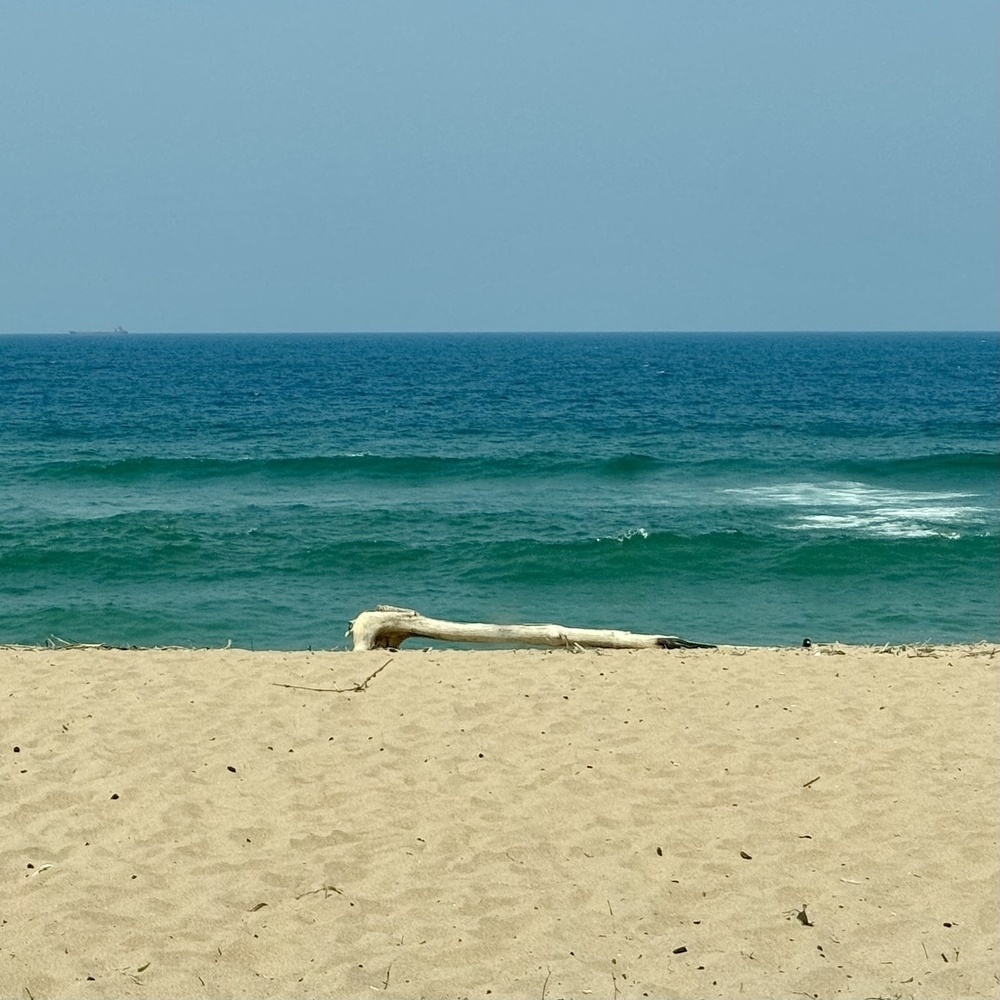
(514, 824)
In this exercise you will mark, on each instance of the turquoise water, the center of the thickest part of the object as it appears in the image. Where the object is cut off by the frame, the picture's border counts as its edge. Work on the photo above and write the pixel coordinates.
(728, 488)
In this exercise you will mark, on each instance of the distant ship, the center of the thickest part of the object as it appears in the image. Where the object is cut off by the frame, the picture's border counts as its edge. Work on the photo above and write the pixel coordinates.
(91, 333)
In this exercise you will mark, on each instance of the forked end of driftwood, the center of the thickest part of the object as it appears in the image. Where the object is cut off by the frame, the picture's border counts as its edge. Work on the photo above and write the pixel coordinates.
(675, 642)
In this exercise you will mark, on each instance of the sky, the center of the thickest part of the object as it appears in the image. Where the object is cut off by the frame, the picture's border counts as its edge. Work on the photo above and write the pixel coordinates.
(450, 165)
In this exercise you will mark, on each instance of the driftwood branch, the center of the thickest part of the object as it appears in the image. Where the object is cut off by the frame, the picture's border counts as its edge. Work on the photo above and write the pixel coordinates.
(388, 628)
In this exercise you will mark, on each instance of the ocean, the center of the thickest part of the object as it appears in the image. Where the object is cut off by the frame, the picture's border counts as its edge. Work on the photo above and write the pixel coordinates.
(731, 488)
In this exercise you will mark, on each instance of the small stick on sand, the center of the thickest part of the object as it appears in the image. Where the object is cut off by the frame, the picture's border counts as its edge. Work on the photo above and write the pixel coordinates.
(325, 889)
(354, 688)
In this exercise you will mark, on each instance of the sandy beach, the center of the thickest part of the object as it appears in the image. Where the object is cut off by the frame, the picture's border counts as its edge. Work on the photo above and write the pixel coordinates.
(720, 823)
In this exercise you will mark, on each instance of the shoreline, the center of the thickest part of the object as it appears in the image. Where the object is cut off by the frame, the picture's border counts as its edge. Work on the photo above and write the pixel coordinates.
(414, 646)
(685, 823)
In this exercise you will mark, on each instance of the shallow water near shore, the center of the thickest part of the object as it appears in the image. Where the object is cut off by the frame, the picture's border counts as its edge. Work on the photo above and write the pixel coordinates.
(730, 488)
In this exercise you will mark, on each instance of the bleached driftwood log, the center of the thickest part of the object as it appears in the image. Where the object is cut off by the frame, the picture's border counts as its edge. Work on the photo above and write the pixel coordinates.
(388, 628)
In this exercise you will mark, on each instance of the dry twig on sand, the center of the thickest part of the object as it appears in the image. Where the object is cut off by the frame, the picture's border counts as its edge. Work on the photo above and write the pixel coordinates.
(353, 689)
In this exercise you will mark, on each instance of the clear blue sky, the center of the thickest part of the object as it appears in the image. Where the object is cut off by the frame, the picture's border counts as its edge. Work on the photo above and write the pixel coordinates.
(240, 165)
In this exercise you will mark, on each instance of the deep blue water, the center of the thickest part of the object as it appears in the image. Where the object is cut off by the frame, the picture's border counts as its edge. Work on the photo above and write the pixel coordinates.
(731, 488)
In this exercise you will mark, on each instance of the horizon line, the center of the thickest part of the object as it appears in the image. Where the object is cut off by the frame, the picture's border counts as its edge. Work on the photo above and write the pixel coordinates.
(486, 333)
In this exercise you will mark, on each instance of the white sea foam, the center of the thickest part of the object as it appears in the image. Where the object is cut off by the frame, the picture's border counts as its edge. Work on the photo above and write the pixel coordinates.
(626, 535)
(887, 527)
(856, 508)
